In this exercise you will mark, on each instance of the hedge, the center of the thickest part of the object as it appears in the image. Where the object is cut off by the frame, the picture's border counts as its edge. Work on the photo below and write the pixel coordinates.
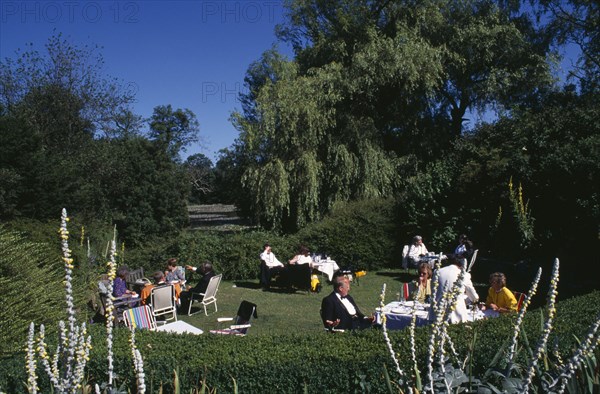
(359, 234)
(325, 363)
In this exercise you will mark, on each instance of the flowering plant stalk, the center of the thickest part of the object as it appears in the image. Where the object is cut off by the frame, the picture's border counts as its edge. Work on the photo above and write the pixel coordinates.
(547, 328)
(138, 364)
(385, 334)
(110, 312)
(66, 368)
(587, 347)
(526, 302)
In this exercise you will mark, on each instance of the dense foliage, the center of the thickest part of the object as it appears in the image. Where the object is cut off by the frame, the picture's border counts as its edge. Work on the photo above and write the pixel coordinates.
(324, 363)
(68, 138)
(374, 90)
(360, 234)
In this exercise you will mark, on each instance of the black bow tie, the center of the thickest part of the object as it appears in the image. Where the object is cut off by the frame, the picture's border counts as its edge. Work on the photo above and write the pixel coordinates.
(343, 297)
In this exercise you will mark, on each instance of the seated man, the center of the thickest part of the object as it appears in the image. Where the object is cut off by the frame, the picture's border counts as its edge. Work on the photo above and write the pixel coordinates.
(206, 270)
(338, 309)
(159, 280)
(269, 266)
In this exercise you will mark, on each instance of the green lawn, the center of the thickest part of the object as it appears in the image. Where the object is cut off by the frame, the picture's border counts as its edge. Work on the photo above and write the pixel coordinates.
(279, 312)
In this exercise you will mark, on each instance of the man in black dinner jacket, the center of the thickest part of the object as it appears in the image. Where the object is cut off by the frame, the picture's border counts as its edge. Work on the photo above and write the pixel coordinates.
(338, 309)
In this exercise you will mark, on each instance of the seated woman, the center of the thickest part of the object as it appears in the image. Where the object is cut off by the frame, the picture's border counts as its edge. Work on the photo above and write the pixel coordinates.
(420, 290)
(499, 297)
(303, 256)
(120, 284)
(174, 276)
(299, 270)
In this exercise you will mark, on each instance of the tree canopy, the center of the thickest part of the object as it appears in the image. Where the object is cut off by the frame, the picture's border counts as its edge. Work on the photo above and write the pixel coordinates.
(69, 139)
(375, 89)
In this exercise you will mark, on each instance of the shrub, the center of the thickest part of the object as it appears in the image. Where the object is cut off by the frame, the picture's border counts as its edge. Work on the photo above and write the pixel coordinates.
(361, 234)
(325, 363)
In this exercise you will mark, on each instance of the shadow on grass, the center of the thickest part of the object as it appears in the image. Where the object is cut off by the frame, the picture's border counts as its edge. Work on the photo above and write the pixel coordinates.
(248, 284)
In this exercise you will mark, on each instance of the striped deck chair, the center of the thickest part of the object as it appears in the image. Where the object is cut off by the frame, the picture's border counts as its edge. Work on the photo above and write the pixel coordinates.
(140, 317)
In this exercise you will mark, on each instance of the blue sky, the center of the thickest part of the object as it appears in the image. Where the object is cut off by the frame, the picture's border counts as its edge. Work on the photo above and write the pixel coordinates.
(190, 54)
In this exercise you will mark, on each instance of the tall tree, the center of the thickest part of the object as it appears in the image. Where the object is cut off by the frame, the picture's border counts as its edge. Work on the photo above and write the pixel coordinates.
(578, 22)
(375, 86)
(202, 177)
(173, 129)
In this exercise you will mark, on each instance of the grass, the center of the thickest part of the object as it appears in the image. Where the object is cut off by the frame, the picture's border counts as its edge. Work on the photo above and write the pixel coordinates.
(279, 311)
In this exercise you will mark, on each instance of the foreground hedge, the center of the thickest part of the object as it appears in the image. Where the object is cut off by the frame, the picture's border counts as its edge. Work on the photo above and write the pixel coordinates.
(324, 363)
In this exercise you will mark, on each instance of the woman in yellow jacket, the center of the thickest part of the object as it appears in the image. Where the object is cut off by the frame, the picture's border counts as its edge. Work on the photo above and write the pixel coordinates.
(499, 297)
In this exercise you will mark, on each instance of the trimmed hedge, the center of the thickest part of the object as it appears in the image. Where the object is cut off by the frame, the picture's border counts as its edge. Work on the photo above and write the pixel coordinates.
(284, 364)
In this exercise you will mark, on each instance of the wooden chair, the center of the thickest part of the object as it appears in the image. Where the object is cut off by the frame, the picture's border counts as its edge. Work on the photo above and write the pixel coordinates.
(119, 303)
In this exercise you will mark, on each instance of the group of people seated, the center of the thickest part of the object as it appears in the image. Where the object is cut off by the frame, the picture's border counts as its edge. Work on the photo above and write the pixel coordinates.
(296, 273)
(172, 276)
(417, 251)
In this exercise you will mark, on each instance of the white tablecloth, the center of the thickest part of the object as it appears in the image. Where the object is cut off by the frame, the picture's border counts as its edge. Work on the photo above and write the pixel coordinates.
(179, 327)
(328, 267)
(399, 314)
(432, 259)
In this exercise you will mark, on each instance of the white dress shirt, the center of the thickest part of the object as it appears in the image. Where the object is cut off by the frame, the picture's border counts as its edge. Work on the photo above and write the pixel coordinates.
(417, 250)
(347, 304)
(270, 259)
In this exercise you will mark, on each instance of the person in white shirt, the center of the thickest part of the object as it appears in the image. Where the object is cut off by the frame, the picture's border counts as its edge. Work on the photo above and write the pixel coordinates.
(303, 257)
(446, 278)
(416, 251)
(269, 266)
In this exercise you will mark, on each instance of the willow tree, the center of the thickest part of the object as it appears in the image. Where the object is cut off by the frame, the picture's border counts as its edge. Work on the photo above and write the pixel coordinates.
(371, 84)
(308, 146)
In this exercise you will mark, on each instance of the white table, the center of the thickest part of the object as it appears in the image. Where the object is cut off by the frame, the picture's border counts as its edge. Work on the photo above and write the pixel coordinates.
(179, 327)
(432, 259)
(399, 314)
(328, 267)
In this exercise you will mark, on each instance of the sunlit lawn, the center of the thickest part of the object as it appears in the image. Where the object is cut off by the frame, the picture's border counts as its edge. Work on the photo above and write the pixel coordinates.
(281, 312)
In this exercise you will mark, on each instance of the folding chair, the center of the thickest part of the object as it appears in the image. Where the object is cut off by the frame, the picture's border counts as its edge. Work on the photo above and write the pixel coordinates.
(208, 297)
(405, 256)
(245, 312)
(326, 327)
(472, 260)
(520, 299)
(162, 299)
(140, 317)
